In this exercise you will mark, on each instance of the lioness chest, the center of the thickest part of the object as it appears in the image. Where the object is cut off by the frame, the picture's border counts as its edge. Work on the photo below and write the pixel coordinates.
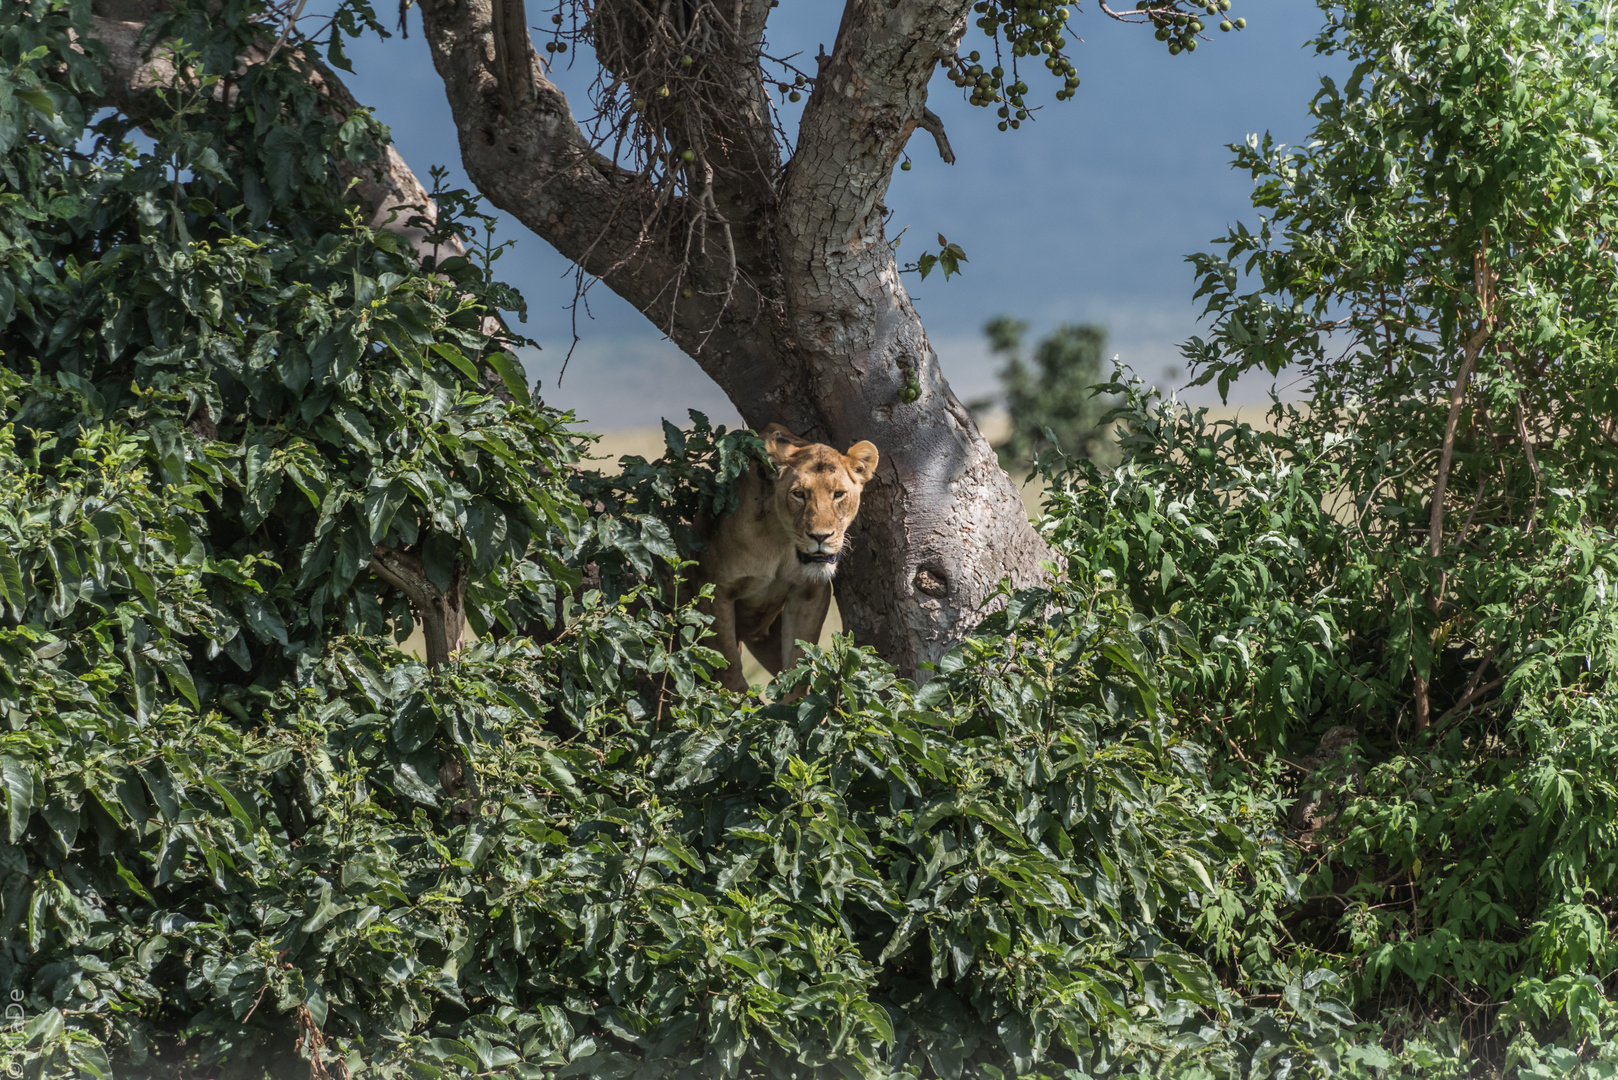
(760, 600)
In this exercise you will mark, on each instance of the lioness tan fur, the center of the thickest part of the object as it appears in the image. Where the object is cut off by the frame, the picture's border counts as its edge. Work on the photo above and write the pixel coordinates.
(772, 560)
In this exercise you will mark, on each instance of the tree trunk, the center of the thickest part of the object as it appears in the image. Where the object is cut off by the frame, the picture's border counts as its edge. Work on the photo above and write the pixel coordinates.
(776, 278)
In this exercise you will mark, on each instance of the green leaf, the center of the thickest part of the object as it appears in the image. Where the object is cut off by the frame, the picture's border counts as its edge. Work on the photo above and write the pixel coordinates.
(454, 356)
(19, 784)
(11, 585)
(511, 373)
(39, 100)
(1193, 976)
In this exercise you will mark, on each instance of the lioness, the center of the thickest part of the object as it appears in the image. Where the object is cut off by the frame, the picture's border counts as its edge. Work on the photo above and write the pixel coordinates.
(771, 561)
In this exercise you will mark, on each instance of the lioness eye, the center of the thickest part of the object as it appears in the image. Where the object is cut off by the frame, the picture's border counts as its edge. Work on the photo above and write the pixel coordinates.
(798, 495)
(838, 494)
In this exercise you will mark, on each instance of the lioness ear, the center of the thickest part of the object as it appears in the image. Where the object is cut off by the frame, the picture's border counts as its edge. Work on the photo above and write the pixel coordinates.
(779, 443)
(862, 459)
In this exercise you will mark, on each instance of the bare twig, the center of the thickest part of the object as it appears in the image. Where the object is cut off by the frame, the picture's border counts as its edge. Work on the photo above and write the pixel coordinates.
(286, 31)
(1466, 701)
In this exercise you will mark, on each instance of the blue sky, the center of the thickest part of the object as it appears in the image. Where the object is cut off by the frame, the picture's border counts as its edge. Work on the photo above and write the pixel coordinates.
(1085, 215)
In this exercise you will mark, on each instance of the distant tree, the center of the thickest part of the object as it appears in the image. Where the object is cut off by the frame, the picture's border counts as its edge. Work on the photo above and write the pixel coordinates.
(1058, 395)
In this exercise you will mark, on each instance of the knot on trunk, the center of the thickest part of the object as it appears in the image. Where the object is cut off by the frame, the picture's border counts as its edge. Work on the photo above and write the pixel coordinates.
(932, 580)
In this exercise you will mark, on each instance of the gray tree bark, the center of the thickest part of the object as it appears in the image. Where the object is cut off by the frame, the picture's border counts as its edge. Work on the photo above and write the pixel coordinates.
(774, 275)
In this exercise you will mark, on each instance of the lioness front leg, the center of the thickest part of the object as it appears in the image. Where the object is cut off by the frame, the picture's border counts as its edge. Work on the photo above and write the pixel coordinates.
(724, 628)
(801, 620)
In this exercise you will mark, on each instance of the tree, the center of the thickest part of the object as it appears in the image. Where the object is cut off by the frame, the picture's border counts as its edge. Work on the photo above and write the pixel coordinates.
(1060, 397)
(772, 271)
(240, 829)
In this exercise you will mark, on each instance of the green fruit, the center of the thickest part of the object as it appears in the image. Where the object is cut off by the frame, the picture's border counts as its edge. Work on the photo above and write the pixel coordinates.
(1003, 112)
(1224, 25)
(1241, 24)
(904, 166)
(688, 155)
(638, 104)
(557, 19)
(974, 56)
(1174, 48)
(1016, 123)
(1001, 125)
(794, 96)
(662, 91)
(998, 72)
(1224, 5)
(1162, 33)
(561, 46)
(1196, 26)
(1191, 46)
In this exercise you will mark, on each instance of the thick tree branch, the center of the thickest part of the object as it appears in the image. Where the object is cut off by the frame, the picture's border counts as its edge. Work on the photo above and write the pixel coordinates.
(535, 161)
(941, 486)
(388, 186)
(442, 612)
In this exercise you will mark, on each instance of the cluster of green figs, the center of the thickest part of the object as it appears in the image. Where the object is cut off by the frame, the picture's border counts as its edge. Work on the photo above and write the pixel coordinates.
(1032, 31)
(1180, 27)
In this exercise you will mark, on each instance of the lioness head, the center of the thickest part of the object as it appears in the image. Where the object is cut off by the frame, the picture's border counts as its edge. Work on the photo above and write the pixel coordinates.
(817, 494)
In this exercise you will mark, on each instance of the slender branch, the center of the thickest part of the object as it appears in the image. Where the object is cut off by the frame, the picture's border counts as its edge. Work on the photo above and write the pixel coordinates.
(1484, 279)
(1465, 702)
(930, 123)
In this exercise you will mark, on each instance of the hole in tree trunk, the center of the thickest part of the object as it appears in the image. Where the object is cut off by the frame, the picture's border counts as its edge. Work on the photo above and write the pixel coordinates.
(931, 579)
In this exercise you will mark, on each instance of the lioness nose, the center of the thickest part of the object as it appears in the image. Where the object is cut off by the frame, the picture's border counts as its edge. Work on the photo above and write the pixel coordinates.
(820, 538)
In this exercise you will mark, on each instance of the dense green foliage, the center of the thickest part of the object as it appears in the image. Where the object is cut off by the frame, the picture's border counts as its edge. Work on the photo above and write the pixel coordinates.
(1415, 572)
(1277, 779)
(241, 829)
(1056, 406)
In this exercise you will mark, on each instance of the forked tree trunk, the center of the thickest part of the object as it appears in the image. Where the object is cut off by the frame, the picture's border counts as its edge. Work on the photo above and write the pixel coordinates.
(789, 298)
(812, 328)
